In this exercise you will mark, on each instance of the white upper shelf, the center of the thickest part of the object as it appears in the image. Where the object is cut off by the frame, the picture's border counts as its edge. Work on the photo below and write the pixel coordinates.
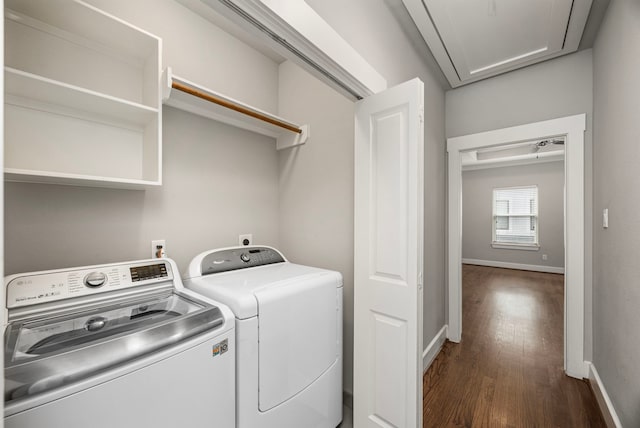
(188, 96)
(80, 18)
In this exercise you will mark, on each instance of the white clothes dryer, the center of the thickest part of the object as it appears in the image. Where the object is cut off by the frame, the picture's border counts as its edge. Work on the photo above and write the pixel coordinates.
(117, 345)
(288, 335)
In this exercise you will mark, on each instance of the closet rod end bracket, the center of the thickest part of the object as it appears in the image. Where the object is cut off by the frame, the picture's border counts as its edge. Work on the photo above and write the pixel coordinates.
(288, 139)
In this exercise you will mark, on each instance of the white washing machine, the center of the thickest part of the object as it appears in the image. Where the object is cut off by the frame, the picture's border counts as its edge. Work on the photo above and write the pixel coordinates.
(117, 345)
(288, 335)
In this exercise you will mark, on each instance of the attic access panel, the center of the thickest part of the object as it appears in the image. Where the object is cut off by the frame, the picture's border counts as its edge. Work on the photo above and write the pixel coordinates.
(474, 40)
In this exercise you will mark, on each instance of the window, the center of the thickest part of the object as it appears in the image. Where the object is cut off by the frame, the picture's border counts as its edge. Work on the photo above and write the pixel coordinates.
(515, 216)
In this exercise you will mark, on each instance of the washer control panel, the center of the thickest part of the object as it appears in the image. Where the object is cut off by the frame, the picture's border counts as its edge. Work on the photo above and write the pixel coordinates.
(32, 289)
(239, 258)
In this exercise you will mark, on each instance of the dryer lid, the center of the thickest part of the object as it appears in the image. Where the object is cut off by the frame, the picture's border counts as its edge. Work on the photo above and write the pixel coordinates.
(238, 289)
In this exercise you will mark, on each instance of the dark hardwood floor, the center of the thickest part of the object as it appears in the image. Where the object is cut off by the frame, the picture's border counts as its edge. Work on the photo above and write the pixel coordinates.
(507, 370)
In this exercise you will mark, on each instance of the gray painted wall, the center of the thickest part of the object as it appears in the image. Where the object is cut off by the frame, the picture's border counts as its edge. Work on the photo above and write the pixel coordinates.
(616, 300)
(219, 181)
(399, 54)
(551, 89)
(316, 186)
(477, 212)
(557, 88)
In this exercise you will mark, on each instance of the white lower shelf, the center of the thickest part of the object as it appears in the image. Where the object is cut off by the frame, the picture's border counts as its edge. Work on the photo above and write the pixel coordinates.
(49, 177)
(63, 134)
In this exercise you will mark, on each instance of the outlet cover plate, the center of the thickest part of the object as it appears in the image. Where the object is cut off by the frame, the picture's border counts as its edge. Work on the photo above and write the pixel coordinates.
(248, 237)
(156, 252)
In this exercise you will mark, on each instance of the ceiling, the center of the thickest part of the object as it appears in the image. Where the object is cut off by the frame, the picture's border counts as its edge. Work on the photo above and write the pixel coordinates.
(475, 40)
(467, 40)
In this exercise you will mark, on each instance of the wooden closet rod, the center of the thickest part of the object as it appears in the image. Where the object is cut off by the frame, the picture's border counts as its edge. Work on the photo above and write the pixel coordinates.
(239, 109)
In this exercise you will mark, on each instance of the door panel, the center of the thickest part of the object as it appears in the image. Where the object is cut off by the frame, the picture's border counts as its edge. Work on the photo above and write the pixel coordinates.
(391, 398)
(388, 212)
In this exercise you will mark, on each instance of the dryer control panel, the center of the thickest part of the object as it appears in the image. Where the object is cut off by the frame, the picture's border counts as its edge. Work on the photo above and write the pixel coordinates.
(239, 258)
(51, 286)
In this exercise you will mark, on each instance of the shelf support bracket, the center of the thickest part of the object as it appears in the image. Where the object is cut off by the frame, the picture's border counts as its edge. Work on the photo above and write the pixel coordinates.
(289, 140)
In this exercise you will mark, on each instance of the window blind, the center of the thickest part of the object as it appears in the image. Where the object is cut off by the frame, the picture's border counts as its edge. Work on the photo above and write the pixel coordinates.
(515, 215)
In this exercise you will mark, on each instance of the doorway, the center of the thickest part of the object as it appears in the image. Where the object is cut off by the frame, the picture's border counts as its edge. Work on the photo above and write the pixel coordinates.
(572, 129)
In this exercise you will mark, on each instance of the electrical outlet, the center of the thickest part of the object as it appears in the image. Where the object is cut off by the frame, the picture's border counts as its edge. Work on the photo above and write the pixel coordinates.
(158, 248)
(246, 239)
(544, 257)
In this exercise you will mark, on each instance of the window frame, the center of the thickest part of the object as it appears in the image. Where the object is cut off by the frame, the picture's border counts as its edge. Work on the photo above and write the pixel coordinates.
(534, 246)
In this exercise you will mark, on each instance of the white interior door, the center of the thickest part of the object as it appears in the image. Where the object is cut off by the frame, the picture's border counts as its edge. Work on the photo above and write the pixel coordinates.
(388, 258)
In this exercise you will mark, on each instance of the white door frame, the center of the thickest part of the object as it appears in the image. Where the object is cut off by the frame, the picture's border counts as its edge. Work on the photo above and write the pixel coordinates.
(2, 295)
(572, 128)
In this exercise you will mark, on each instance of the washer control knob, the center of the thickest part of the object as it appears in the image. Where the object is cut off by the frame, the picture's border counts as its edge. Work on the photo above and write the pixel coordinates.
(95, 279)
(245, 257)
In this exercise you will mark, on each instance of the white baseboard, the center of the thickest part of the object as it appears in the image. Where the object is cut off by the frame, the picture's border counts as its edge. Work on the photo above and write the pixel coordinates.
(520, 266)
(431, 351)
(606, 406)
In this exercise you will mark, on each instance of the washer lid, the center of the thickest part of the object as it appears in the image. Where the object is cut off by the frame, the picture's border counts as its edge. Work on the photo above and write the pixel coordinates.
(238, 289)
(45, 353)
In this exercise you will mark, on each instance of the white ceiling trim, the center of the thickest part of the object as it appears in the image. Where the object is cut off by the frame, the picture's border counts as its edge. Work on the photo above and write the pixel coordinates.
(579, 16)
(453, 65)
(295, 31)
(423, 21)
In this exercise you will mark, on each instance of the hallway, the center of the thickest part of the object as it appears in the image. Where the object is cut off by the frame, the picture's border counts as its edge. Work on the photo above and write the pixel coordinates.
(507, 371)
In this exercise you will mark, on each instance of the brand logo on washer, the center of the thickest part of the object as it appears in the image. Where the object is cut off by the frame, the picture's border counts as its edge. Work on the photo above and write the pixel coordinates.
(220, 348)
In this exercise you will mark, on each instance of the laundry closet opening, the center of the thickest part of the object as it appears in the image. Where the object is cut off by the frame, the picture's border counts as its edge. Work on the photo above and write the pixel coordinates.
(215, 180)
(219, 180)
